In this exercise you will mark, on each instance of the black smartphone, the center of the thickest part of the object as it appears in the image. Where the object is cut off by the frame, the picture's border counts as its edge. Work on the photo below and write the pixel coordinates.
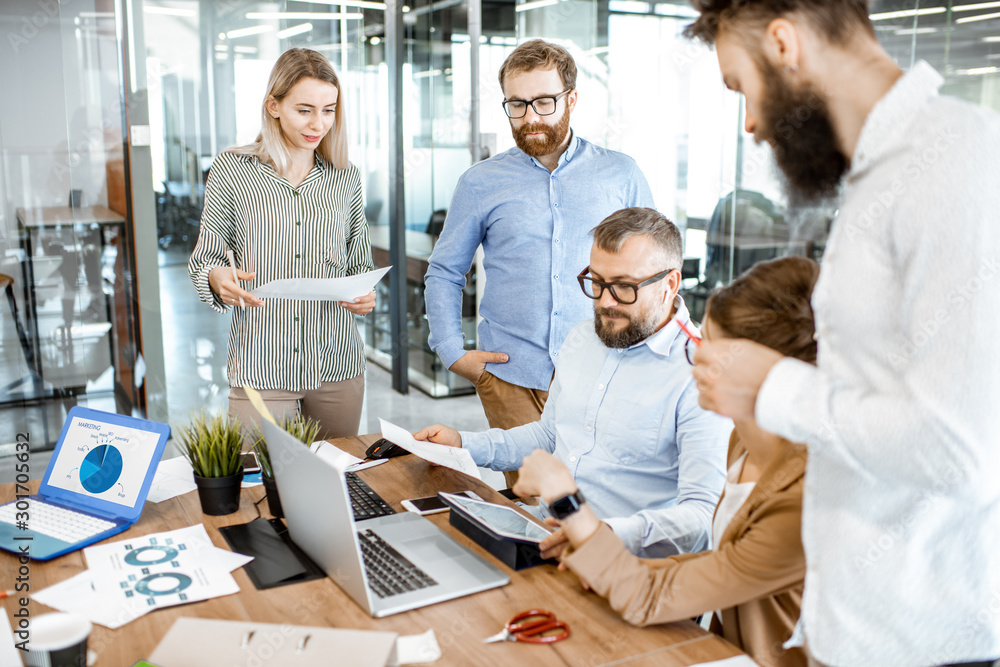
(251, 464)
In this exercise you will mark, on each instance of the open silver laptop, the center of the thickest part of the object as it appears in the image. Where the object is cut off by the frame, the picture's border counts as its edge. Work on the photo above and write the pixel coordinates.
(387, 564)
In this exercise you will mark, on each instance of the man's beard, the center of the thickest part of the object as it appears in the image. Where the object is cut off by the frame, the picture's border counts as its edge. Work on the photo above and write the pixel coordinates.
(796, 122)
(554, 136)
(639, 327)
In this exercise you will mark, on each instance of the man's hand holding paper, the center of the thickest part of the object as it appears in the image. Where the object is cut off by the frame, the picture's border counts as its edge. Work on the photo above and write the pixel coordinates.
(452, 457)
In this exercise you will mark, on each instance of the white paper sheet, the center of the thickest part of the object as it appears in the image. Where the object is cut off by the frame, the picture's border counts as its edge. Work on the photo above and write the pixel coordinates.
(415, 649)
(80, 595)
(336, 457)
(76, 595)
(364, 465)
(321, 289)
(162, 569)
(449, 457)
(174, 477)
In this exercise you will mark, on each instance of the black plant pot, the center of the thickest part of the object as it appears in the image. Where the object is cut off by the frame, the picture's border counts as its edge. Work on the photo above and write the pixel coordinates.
(219, 495)
(273, 499)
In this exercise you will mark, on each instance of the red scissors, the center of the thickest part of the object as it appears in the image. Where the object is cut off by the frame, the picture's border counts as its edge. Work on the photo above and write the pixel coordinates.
(530, 627)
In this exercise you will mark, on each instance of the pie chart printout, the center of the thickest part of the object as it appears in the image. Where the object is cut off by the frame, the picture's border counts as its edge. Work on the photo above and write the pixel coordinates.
(101, 468)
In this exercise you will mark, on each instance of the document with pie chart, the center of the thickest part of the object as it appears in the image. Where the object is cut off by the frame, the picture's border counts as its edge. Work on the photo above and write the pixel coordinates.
(106, 461)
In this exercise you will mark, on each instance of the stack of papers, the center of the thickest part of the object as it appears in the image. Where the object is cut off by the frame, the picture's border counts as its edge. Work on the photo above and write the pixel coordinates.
(132, 577)
(322, 289)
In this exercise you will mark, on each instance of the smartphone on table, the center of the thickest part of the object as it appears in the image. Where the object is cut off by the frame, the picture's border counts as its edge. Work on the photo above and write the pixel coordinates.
(251, 464)
(425, 506)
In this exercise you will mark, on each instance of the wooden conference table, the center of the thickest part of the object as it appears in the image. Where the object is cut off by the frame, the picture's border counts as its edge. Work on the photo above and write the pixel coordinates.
(599, 636)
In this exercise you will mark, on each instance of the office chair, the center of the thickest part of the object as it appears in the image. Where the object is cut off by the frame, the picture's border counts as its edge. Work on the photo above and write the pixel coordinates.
(7, 284)
(436, 223)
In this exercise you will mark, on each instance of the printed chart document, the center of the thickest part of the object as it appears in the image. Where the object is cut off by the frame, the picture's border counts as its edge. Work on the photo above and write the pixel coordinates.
(81, 595)
(163, 569)
(449, 457)
(322, 289)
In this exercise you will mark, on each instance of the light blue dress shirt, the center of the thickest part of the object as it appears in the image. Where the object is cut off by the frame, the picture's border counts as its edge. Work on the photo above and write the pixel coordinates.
(626, 422)
(534, 226)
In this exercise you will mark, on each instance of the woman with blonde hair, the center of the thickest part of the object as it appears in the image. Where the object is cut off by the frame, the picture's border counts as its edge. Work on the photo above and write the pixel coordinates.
(289, 205)
(752, 579)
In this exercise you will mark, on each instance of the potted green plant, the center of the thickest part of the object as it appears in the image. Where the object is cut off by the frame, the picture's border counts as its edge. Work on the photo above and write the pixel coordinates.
(213, 447)
(302, 429)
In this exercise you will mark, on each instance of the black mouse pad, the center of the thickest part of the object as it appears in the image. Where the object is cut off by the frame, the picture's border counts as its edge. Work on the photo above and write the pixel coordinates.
(276, 560)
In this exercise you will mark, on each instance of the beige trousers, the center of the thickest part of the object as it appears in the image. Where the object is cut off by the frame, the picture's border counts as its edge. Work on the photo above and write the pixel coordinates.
(335, 405)
(508, 405)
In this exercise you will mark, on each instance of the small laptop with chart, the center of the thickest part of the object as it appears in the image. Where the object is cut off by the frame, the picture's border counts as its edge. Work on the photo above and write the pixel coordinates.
(387, 564)
(95, 485)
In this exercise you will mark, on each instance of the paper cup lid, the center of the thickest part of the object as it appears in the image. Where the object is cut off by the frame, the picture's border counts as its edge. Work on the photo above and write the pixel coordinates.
(51, 632)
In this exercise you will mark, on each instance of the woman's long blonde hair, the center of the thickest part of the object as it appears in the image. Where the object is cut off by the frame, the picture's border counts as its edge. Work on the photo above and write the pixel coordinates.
(269, 146)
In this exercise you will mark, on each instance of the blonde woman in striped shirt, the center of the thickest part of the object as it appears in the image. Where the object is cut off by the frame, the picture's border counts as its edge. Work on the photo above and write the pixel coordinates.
(289, 205)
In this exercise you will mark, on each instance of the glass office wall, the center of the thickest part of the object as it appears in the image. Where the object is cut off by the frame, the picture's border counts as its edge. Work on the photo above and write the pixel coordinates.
(69, 333)
(438, 91)
(75, 333)
(207, 67)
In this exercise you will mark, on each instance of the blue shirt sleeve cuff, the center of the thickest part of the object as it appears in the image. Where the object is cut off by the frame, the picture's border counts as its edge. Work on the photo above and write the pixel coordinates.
(628, 529)
(451, 350)
(478, 445)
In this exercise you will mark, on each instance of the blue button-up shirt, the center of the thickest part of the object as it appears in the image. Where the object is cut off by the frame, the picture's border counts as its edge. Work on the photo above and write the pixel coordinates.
(534, 226)
(626, 422)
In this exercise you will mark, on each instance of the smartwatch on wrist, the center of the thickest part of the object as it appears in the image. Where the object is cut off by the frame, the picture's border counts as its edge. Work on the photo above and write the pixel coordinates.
(562, 508)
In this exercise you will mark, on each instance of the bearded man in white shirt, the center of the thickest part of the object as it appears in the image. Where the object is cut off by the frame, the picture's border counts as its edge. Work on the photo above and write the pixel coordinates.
(901, 522)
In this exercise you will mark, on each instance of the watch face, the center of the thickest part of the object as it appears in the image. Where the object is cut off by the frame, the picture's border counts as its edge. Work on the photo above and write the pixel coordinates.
(566, 505)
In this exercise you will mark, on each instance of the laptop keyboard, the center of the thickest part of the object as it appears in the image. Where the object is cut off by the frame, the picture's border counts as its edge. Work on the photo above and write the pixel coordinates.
(366, 503)
(389, 573)
(54, 521)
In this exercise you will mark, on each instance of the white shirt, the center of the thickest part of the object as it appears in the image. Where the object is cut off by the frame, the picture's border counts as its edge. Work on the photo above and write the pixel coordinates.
(732, 500)
(901, 506)
(627, 424)
(733, 497)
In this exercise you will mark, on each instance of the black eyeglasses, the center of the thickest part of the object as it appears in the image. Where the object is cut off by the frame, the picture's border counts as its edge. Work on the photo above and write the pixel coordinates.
(623, 293)
(543, 106)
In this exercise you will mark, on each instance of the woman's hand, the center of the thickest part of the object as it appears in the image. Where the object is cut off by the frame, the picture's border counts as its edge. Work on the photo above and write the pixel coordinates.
(360, 306)
(221, 281)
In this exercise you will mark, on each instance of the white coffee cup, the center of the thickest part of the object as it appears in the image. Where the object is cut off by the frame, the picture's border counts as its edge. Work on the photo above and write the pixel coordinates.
(57, 640)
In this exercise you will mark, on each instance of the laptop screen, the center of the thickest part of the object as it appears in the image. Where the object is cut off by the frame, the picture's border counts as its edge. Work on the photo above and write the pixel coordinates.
(104, 463)
(103, 460)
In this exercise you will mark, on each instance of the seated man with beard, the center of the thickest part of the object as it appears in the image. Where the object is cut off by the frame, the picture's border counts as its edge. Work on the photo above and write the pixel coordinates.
(623, 410)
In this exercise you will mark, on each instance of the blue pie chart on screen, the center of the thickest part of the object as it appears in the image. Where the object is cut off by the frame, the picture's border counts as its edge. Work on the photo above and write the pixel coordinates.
(101, 468)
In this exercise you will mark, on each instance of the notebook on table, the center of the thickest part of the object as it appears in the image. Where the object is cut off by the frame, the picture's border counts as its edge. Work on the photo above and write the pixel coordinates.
(94, 486)
(387, 564)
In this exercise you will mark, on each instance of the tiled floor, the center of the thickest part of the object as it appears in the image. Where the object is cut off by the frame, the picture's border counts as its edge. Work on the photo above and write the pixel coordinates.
(194, 340)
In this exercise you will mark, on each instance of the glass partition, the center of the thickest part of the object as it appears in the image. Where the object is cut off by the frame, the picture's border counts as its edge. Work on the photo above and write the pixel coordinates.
(68, 334)
(71, 330)
(208, 65)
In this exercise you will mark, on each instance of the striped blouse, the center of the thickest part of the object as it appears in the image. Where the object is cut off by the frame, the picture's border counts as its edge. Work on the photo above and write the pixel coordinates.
(317, 230)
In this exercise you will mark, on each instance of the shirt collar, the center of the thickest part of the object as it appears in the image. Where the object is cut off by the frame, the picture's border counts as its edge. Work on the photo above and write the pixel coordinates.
(663, 340)
(574, 144)
(321, 166)
(892, 115)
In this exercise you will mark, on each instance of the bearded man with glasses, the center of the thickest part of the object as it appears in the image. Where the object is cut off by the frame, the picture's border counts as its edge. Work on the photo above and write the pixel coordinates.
(530, 208)
(623, 411)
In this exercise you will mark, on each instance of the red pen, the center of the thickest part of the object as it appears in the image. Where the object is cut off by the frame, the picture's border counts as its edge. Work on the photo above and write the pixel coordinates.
(697, 341)
(7, 594)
